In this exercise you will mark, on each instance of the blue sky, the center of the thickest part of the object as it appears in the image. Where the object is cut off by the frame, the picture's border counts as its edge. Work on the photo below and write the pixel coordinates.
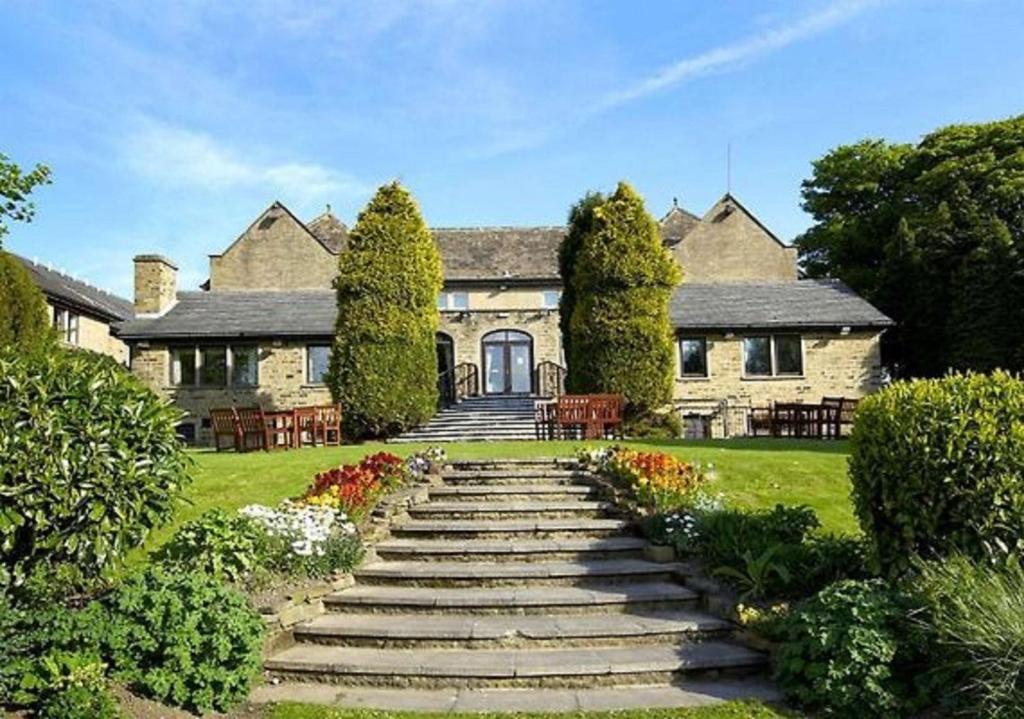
(170, 126)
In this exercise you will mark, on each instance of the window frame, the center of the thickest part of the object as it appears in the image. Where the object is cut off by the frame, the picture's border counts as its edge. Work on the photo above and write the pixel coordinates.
(197, 349)
(67, 324)
(544, 299)
(446, 300)
(773, 357)
(309, 364)
(683, 374)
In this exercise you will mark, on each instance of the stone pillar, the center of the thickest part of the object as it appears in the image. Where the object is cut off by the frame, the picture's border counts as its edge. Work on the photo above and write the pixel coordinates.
(156, 284)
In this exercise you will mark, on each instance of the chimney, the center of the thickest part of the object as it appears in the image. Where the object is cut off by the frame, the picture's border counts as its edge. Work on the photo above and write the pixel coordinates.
(156, 284)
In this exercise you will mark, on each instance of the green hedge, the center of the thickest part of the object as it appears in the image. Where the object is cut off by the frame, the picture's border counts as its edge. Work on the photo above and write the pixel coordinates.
(384, 363)
(24, 317)
(89, 462)
(938, 466)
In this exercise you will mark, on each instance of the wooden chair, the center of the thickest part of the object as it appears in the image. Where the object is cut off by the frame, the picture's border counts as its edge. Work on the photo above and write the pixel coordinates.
(281, 432)
(843, 410)
(572, 415)
(224, 423)
(305, 426)
(760, 421)
(253, 430)
(544, 419)
(328, 424)
(605, 416)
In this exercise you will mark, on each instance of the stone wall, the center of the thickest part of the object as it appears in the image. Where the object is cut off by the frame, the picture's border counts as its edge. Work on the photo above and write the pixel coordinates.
(467, 330)
(729, 245)
(94, 335)
(156, 280)
(513, 298)
(282, 383)
(835, 365)
(275, 253)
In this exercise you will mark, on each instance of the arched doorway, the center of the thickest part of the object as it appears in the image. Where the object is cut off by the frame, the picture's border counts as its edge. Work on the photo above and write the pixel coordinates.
(508, 362)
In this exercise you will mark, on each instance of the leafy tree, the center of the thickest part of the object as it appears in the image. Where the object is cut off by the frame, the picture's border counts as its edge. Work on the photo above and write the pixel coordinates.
(384, 363)
(15, 187)
(620, 337)
(24, 318)
(581, 222)
(932, 234)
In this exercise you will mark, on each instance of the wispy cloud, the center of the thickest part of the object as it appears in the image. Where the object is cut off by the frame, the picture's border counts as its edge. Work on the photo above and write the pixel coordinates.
(177, 156)
(734, 55)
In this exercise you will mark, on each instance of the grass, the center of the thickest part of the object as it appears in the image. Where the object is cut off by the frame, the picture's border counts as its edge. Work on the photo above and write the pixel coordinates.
(729, 710)
(750, 473)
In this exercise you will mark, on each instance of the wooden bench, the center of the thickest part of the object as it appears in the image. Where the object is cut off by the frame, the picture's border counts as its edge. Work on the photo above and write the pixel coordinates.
(224, 423)
(591, 415)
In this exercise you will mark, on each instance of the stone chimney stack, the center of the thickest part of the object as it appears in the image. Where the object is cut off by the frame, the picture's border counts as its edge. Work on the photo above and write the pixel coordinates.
(156, 284)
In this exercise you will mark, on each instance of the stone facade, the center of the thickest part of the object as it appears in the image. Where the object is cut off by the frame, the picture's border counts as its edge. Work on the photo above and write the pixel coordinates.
(834, 365)
(730, 245)
(277, 252)
(156, 280)
(282, 382)
(468, 329)
(94, 335)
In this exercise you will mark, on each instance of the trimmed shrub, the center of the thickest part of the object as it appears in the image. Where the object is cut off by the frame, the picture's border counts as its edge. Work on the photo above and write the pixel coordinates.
(620, 337)
(24, 318)
(976, 617)
(581, 223)
(224, 545)
(183, 638)
(383, 366)
(851, 651)
(89, 461)
(938, 466)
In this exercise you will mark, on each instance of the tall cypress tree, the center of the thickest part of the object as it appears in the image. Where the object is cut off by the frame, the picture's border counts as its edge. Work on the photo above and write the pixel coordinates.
(581, 222)
(621, 339)
(384, 362)
(24, 318)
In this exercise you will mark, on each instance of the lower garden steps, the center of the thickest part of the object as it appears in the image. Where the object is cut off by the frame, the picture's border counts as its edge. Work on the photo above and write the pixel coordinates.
(513, 575)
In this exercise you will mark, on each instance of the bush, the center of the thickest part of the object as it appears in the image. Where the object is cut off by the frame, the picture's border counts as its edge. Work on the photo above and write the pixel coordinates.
(75, 688)
(384, 362)
(89, 461)
(310, 540)
(725, 536)
(976, 617)
(183, 638)
(851, 651)
(226, 546)
(24, 317)
(620, 337)
(938, 466)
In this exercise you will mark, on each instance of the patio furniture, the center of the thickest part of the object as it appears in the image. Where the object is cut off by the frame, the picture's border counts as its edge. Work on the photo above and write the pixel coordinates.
(591, 415)
(545, 414)
(843, 410)
(280, 429)
(253, 430)
(759, 422)
(305, 426)
(224, 423)
(327, 427)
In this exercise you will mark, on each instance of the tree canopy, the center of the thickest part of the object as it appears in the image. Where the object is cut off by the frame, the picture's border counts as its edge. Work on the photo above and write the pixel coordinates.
(620, 339)
(581, 222)
(932, 234)
(384, 362)
(24, 318)
(15, 187)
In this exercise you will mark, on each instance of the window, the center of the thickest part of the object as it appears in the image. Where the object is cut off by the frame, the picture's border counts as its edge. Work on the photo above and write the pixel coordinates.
(213, 366)
(551, 297)
(773, 356)
(453, 301)
(183, 366)
(693, 356)
(317, 358)
(66, 324)
(244, 366)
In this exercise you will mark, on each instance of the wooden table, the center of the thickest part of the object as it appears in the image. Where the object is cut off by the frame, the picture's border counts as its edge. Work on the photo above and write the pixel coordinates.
(282, 426)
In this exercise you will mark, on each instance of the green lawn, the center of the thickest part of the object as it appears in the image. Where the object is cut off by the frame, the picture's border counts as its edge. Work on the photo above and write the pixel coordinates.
(750, 473)
(730, 710)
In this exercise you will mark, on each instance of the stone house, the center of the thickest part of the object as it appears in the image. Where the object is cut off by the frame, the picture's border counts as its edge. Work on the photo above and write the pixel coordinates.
(259, 330)
(82, 315)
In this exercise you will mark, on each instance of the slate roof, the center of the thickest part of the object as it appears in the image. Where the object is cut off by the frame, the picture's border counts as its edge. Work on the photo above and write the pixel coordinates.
(332, 232)
(311, 313)
(489, 253)
(78, 295)
(676, 224)
(795, 305)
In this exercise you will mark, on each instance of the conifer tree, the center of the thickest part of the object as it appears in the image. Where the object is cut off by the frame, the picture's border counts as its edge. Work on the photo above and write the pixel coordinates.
(24, 318)
(384, 362)
(581, 222)
(621, 339)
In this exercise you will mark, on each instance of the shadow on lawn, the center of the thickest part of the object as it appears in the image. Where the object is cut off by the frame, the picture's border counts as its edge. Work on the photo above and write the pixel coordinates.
(758, 444)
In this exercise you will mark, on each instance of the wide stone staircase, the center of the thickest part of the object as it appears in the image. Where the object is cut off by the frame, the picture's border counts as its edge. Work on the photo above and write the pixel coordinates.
(478, 418)
(514, 587)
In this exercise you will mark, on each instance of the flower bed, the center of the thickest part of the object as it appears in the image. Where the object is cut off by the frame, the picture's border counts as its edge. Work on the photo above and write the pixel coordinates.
(655, 481)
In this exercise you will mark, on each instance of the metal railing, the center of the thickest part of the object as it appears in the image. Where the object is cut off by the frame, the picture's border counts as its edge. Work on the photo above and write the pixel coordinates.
(457, 383)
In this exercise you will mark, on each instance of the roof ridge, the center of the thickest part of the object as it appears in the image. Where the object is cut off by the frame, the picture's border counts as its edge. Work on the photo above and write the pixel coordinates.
(476, 228)
(66, 276)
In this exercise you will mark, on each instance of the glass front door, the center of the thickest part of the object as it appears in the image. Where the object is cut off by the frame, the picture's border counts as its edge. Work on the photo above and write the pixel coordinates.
(508, 362)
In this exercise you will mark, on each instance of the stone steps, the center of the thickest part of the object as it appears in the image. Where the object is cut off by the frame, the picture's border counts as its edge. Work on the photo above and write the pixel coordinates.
(513, 492)
(515, 550)
(453, 574)
(510, 529)
(502, 509)
(639, 596)
(475, 632)
(509, 667)
(516, 479)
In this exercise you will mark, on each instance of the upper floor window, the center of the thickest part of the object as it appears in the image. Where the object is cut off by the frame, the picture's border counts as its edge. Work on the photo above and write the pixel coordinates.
(550, 299)
(215, 366)
(453, 301)
(773, 356)
(65, 322)
(317, 359)
(693, 356)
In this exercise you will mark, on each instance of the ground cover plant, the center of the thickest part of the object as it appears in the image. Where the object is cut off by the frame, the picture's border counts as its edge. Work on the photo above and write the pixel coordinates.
(727, 710)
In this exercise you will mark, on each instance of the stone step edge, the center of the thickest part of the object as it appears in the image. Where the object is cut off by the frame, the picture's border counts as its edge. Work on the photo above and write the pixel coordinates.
(515, 570)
